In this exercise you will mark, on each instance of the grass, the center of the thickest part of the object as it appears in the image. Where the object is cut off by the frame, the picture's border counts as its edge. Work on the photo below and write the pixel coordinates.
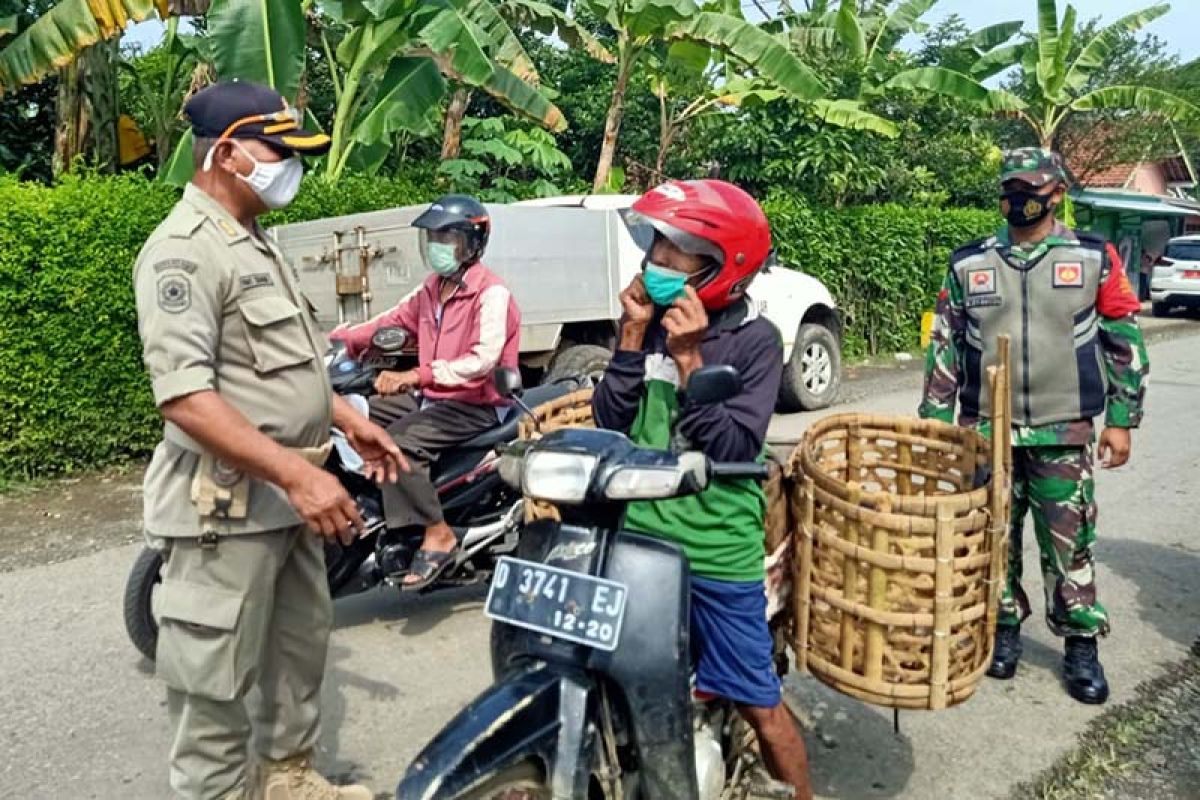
(1115, 743)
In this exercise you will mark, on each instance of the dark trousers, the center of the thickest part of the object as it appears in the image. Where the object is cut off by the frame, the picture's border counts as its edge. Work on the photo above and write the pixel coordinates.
(423, 433)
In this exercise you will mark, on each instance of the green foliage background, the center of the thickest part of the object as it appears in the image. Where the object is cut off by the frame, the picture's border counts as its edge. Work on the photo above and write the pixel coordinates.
(73, 392)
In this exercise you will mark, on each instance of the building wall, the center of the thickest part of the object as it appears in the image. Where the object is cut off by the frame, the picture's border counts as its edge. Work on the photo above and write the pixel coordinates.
(1149, 179)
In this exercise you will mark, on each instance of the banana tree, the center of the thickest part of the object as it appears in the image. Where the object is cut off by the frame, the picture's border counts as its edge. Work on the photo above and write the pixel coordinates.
(1065, 86)
(160, 99)
(508, 51)
(866, 44)
(640, 24)
(394, 63)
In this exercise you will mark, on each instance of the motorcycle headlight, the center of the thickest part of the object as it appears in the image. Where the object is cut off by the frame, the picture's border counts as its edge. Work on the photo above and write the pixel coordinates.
(510, 469)
(558, 477)
(658, 482)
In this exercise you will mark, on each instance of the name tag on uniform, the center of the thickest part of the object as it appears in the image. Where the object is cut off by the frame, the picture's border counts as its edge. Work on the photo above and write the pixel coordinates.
(1068, 276)
(256, 280)
(981, 281)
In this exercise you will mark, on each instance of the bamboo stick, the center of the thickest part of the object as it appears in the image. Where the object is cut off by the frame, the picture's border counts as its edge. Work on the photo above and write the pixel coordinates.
(942, 601)
(803, 570)
(850, 583)
(873, 655)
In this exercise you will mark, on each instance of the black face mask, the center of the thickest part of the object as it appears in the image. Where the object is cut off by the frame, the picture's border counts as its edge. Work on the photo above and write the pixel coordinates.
(1027, 208)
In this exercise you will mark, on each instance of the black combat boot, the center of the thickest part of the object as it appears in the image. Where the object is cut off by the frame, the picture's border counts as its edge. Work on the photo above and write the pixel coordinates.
(1082, 671)
(1007, 652)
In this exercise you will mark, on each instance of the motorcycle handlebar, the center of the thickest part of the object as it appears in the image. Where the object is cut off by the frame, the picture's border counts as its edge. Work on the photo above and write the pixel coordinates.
(742, 469)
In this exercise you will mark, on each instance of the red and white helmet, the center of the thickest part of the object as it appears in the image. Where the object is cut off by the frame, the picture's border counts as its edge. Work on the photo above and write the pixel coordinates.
(708, 218)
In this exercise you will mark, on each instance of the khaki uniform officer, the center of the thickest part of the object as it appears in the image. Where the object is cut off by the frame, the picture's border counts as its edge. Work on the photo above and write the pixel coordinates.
(235, 490)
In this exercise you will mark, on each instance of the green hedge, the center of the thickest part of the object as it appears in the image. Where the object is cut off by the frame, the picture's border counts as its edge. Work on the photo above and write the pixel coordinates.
(884, 264)
(73, 393)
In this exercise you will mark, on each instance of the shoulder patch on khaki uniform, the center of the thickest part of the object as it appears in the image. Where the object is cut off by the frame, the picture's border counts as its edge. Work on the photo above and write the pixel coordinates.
(174, 293)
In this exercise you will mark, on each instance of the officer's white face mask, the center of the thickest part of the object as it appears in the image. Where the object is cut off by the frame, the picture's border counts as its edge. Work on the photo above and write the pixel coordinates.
(275, 182)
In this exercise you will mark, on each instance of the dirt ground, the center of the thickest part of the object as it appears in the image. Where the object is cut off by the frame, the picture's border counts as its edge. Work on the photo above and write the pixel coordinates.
(69, 518)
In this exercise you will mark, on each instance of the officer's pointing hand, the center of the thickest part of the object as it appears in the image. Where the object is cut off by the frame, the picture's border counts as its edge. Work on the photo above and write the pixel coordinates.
(324, 504)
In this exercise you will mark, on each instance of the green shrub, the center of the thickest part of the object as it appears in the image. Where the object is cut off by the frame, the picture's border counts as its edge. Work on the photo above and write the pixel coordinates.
(884, 264)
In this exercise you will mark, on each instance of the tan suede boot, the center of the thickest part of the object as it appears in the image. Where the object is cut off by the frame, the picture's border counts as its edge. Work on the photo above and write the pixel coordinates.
(295, 779)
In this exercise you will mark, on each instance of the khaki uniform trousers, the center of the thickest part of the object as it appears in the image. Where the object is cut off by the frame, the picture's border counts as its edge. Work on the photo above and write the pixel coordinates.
(254, 611)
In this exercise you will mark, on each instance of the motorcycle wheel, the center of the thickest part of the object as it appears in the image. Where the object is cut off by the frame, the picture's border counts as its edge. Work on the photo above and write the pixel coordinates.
(140, 624)
(519, 782)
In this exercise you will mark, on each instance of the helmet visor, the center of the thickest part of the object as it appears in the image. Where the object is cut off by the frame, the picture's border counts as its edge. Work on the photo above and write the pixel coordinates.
(643, 228)
(456, 238)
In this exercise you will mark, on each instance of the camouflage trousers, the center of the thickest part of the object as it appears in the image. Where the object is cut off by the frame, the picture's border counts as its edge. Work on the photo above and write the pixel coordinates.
(1057, 485)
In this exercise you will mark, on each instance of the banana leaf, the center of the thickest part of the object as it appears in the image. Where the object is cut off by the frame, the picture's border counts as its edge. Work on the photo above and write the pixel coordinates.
(53, 40)
(259, 40)
(1096, 53)
(549, 21)
(411, 88)
(949, 83)
(849, 29)
(757, 49)
(1139, 98)
(850, 114)
(505, 48)
(1047, 42)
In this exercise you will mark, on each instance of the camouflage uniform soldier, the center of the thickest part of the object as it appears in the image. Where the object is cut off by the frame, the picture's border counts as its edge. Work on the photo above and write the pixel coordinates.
(1065, 301)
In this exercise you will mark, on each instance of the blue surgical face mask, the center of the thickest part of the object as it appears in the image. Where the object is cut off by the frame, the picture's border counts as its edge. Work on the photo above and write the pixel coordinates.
(664, 286)
(442, 258)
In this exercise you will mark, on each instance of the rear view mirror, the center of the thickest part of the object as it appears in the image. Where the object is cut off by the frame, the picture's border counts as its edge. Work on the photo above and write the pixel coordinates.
(714, 384)
(389, 340)
(508, 382)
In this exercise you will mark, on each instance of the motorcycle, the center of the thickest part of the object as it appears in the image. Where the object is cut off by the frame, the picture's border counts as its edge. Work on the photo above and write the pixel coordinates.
(483, 511)
(590, 641)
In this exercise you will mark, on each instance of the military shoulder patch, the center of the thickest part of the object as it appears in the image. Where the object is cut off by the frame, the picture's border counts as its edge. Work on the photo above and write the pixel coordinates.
(174, 293)
(981, 280)
(1068, 275)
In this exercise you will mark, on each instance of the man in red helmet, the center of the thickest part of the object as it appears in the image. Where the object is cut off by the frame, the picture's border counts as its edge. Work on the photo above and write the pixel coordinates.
(705, 241)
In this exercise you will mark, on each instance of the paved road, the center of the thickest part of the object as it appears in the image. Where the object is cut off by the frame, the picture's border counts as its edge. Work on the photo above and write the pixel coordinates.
(82, 718)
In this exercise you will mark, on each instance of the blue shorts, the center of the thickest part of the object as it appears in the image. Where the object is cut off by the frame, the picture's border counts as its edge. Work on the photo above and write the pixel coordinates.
(731, 644)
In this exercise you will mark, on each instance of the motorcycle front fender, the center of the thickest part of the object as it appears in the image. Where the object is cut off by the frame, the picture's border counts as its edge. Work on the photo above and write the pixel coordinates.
(538, 714)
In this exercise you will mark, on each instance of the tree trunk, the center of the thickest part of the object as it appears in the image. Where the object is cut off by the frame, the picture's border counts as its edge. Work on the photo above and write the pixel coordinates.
(101, 87)
(612, 124)
(70, 126)
(87, 110)
(666, 134)
(452, 130)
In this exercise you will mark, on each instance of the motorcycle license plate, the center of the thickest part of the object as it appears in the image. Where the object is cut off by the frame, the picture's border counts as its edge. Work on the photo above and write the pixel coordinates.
(557, 602)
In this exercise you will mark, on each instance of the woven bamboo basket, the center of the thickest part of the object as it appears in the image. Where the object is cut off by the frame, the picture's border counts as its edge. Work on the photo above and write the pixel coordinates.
(903, 533)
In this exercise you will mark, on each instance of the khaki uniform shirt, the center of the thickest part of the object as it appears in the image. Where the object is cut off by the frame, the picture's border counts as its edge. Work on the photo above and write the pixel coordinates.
(219, 308)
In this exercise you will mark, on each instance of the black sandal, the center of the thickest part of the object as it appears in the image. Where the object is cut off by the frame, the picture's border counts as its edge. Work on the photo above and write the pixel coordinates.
(428, 565)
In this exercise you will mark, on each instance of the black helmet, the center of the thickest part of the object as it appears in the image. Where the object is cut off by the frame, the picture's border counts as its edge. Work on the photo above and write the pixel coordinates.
(460, 213)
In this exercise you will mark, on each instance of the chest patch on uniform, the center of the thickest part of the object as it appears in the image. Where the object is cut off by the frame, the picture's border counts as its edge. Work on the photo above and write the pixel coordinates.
(256, 280)
(984, 300)
(174, 293)
(1068, 275)
(981, 281)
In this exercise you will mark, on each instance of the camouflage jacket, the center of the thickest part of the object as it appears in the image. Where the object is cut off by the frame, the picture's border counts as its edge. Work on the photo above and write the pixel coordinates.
(1124, 351)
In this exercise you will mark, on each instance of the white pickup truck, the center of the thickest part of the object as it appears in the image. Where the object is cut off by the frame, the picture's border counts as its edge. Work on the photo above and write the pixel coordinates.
(566, 260)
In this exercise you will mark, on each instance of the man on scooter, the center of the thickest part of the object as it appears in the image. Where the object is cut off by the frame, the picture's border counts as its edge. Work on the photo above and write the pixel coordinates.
(705, 241)
(466, 324)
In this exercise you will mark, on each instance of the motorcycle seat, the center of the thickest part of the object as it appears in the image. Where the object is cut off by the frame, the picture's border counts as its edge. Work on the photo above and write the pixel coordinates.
(506, 431)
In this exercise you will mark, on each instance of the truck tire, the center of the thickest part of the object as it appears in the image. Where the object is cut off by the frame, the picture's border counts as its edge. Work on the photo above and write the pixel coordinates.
(813, 375)
(580, 361)
(1160, 309)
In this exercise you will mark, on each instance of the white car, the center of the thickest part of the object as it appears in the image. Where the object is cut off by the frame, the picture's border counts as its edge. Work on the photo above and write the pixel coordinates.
(1176, 278)
(799, 305)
